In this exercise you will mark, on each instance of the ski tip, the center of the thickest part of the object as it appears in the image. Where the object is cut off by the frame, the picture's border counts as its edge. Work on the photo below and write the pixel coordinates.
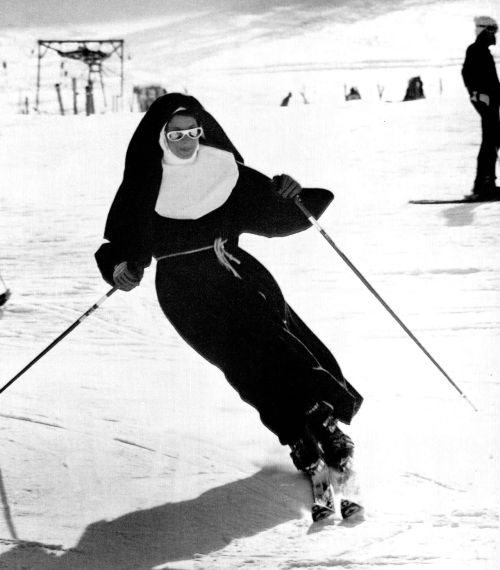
(351, 510)
(321, 512)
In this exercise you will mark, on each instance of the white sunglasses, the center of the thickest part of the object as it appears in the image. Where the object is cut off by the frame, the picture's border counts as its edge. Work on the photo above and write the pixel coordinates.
(175, 136)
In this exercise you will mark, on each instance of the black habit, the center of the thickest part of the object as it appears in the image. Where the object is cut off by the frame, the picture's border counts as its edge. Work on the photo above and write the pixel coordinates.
(237, 318)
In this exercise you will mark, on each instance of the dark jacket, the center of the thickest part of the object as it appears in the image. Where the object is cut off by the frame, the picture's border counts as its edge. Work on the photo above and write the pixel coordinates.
(479, 72)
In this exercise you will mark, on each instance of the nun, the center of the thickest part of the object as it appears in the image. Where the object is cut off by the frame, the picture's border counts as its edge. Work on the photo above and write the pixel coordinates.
(185, 199)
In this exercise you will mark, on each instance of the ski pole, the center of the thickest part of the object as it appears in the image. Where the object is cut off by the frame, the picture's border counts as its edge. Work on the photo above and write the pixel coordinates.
(60, 337)
(315, 223)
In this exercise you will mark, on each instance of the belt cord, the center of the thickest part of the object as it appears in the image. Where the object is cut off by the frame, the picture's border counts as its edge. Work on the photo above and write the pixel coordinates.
(223, 257)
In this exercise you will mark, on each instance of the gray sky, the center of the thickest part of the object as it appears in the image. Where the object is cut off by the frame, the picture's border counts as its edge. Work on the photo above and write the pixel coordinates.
(53, 12)
(27, 13)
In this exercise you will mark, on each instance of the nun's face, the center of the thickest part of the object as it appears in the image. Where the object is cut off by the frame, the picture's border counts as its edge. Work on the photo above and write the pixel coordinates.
(183, 144)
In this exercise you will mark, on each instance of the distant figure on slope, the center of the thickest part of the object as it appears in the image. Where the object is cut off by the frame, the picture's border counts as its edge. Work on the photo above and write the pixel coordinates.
(185, 198)
(480, 77)
(4, 297)
(415, 89)
(286, 100)
(353, 95)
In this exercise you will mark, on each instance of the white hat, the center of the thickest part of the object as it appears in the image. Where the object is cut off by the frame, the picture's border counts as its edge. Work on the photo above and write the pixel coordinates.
(483, 22)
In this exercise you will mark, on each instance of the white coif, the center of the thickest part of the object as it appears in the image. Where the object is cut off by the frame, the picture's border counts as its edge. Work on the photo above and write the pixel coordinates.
(191, 189)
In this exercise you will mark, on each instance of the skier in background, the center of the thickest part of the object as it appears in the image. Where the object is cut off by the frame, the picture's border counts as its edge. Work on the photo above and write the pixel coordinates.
(286, 100)
(481, 80)
(5, 296)
(415, 89)
(185, 198)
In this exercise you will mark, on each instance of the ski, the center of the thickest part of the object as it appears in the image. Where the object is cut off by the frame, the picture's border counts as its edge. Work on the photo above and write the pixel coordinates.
(345, 486)
(464, 200)
(350, 509)
(322, 491)
(327, 484)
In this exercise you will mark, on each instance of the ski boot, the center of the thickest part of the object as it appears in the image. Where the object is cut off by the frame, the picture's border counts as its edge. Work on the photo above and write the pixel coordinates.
(484, 189)
(337, 447)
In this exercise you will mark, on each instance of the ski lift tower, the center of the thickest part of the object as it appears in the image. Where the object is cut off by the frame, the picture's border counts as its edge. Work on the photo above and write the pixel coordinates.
(90, 52)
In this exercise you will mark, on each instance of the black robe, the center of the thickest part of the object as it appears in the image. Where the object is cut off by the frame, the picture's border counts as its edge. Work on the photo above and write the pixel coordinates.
(239, 322)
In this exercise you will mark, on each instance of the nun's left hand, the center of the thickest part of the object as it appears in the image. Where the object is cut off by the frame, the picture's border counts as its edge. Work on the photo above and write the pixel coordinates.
(286, 187)
(127, 276)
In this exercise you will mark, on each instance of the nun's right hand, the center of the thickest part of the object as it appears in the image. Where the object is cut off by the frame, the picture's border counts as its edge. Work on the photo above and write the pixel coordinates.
(286, 187)
(125, 278)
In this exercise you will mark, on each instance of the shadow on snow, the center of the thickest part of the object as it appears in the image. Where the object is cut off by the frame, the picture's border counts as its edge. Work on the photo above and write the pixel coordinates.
(175, 531)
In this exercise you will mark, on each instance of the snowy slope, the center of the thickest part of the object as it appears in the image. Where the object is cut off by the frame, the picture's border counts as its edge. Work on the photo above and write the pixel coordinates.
(122, 449)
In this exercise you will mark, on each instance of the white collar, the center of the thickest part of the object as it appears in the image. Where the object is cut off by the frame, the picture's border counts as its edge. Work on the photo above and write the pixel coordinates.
(203, 185)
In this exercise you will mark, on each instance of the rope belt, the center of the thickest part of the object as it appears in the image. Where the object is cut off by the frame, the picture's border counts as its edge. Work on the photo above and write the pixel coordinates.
(222, 255)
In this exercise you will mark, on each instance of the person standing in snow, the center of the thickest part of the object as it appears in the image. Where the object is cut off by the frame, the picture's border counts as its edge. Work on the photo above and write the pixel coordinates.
(481, 80)
(286, 100)
(185, 198)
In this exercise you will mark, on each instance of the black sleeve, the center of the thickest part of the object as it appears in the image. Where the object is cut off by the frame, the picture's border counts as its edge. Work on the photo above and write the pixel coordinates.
(470, 69)
(263, 212)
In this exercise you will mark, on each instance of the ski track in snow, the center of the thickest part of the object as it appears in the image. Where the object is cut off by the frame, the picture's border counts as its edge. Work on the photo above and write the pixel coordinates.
(427, 479)
(25, 419)
(122, 449)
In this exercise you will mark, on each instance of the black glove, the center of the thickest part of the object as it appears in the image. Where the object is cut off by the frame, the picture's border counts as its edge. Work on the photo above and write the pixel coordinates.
(127, 278)
(286, 187)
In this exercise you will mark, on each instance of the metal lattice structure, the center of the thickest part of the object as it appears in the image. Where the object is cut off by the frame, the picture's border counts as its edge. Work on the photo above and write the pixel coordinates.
(90, 52)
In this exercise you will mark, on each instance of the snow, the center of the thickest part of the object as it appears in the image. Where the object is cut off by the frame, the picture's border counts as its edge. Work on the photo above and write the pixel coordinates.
(123, 449)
